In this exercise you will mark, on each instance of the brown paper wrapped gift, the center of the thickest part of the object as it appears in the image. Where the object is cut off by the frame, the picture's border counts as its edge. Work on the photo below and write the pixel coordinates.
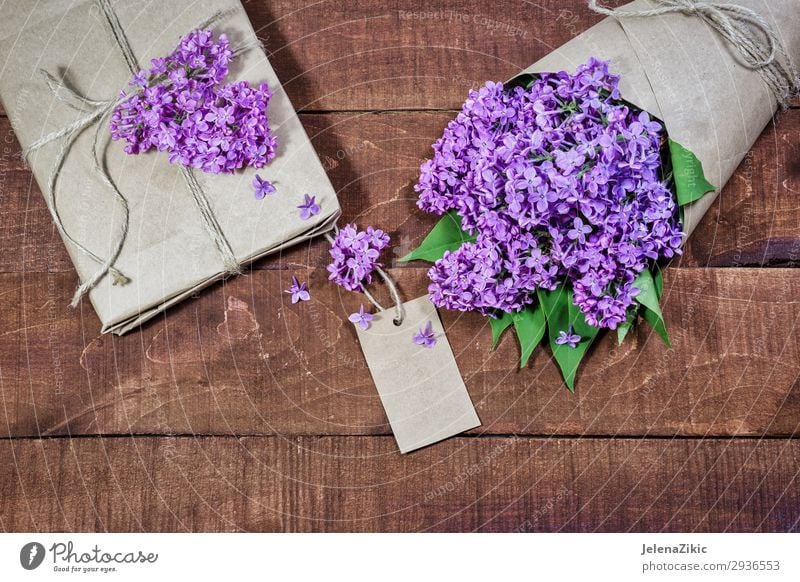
(185, 230)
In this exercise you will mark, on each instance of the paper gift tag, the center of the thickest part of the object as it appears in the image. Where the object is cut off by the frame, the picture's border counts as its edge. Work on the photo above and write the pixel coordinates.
(421, 388)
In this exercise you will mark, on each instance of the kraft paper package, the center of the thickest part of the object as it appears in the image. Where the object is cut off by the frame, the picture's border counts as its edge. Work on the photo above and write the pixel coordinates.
(679, 69)
(54, 51)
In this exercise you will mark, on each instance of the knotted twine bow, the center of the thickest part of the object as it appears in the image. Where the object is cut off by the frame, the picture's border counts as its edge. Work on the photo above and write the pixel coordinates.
(97, 112)
(733, 22)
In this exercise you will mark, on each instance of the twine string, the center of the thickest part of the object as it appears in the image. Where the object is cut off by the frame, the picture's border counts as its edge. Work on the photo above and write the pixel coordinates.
(120, 38)
(734, 23)
(398, 303)
(96, 112)
(213, 229)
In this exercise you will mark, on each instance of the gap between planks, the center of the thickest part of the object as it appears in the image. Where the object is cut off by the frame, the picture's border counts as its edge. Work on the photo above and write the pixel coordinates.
(486, 436)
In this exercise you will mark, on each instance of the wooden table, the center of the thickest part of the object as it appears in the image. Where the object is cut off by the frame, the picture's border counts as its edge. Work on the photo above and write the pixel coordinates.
(239, 411)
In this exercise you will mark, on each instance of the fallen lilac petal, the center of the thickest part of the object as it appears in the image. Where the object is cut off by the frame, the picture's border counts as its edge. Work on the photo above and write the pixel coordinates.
(568, 338)
(262, 187)
(361, 318)
(425, 336)
(309, 207)
(298, 291)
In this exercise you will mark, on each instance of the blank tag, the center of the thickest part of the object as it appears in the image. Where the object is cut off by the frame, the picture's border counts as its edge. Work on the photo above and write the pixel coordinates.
(421, 388)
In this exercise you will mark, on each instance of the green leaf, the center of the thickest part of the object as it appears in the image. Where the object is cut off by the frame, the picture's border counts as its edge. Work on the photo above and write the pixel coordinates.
(499, 325)
(626, 326)
(648, 297)
(447, 235)
(622, 331)
(648, 294)
(657, 323)
(561, 313)
(687, 170)
(555, 306)
(530, 325)
(658, 279)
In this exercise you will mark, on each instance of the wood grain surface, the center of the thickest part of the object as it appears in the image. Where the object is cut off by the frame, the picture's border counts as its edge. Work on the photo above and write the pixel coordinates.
(313, 483)
(242, 360)
(373, 161)
(239, 411)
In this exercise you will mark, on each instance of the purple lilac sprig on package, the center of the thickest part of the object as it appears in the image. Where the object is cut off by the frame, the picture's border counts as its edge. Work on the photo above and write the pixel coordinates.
(355, 256)
(560, 182)
(180, 106)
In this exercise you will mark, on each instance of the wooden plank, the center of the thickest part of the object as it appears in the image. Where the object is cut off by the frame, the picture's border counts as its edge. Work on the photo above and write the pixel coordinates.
(355, 55)
(373, 161)
(359, 55)
(241, 360)
(366, 55)
(364, 484)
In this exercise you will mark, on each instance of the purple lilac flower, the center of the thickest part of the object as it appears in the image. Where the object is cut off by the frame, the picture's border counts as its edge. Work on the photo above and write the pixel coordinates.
(262, 187)
(298, 291)
(425, 336)
(181, 107)
(361, 318)
(568, 338)
(560, 182)
(355, 256)
(309, 207)
(138, 80)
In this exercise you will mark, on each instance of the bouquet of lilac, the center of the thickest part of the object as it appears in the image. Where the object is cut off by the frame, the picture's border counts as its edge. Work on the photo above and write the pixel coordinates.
(560, 200)
(181, 107)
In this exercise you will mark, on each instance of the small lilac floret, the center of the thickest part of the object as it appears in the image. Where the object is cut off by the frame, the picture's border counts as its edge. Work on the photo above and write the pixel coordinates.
(355, 255)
